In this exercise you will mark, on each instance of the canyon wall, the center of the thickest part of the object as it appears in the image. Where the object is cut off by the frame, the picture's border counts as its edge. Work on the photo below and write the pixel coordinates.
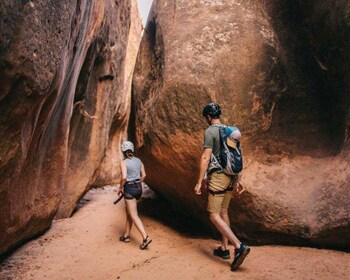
(328, 27)
(109, 170)
(62, 100)
(279, 70)
(257, 60)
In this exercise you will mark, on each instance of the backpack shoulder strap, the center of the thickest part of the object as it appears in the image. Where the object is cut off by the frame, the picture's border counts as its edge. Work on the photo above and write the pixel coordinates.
(219, 125)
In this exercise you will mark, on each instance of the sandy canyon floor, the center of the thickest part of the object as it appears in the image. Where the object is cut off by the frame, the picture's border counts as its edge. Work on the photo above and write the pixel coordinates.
(86, 246)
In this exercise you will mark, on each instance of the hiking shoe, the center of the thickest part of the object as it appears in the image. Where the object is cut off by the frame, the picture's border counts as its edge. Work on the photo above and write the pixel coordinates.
(145, 243)
(225, 254)
(240, 255)
(125, 239)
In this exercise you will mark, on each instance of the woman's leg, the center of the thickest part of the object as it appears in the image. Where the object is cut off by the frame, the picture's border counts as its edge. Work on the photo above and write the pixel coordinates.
(128, 223)
(132, 210)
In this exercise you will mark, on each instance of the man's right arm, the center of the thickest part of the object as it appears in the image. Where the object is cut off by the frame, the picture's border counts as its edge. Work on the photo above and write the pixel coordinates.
(205, 159)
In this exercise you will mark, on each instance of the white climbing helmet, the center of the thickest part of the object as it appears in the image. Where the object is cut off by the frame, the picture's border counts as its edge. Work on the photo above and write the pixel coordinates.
(127, 145)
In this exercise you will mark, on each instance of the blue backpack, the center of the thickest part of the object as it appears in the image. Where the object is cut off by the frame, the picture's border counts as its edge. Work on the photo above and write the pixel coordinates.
(231, 159)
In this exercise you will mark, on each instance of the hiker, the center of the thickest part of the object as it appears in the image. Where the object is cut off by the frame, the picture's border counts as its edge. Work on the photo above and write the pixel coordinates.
(220, 188)
(132, 175)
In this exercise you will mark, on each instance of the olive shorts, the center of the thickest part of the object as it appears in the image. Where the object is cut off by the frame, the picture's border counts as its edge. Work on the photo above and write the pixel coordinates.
(219, 182)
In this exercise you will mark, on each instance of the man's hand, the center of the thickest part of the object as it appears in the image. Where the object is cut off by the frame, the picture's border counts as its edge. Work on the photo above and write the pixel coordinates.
(198, 189)
(238, 190)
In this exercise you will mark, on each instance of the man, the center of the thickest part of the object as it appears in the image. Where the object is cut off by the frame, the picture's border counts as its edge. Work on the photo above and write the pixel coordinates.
(220, 187)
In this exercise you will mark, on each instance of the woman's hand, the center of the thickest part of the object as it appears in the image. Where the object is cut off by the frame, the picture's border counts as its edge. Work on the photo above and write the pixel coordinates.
(120, 191)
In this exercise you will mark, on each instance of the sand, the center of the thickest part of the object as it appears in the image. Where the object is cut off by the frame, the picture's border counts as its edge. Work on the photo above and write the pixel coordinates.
(86, 246)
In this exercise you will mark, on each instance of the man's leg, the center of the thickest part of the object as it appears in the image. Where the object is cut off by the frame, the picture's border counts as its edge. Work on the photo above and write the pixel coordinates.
(218, 205)
(224, 216)
(224, 229)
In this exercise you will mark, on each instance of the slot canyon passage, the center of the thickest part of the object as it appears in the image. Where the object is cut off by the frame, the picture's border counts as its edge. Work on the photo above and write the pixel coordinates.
(77, 78)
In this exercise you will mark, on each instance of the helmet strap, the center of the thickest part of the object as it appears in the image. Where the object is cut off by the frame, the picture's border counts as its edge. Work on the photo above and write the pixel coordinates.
(129, 154)
(209, 119)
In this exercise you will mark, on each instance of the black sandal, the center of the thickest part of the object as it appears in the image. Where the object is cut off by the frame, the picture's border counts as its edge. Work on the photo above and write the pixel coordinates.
(125, 239)
(145, 243)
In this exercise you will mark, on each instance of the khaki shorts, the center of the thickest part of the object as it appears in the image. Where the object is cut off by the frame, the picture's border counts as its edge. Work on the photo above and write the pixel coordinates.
(219, 182)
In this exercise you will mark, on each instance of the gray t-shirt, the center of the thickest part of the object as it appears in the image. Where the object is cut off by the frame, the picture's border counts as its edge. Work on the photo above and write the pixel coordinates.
(133, 167)
(212, 140)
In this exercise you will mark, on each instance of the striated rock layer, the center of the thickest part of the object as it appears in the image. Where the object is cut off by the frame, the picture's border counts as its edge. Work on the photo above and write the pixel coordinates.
(62, 73)
(256, 60)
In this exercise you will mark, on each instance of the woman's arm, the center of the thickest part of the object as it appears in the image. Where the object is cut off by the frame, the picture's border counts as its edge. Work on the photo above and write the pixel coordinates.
(123, 175)
(143, 173)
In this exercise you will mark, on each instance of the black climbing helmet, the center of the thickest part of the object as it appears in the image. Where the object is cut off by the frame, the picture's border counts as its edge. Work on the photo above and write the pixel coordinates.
(213, 110)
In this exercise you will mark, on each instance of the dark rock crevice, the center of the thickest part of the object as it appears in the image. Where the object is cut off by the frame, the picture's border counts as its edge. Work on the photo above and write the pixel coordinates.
(327, 24)
(305, 107)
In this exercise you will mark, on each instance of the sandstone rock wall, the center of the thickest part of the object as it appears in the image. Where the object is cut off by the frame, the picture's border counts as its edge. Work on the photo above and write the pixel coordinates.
(328, 28)
(102, 105)
(256, 59)
(62, 69)
(109, 170)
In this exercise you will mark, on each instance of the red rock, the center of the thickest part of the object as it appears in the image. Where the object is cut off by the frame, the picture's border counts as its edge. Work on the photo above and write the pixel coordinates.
(327, 24)
(256, 61)
(109, 170)
(61, 88)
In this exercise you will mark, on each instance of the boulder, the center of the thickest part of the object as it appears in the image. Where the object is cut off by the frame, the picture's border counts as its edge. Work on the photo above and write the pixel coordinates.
(256, 60)
(61, 90)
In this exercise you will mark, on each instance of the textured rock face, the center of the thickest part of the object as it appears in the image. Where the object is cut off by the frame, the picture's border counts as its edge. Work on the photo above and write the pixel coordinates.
(328, 27)
(61, 91)
(109, 170)
(255, 59)
(95, 137)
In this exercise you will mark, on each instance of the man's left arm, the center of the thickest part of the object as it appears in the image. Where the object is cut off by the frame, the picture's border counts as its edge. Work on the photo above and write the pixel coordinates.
(205, 159)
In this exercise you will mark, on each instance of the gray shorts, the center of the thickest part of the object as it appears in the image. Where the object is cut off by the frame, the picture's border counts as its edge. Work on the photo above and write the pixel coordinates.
(133, 190)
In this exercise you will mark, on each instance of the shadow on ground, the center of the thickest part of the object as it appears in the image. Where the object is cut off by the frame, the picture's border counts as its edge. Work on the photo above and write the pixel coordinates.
(160, 209)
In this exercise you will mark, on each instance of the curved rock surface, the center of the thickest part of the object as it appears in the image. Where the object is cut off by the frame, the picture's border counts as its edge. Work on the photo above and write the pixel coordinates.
(328, 27)
(109, 170)
(256, 60)
(102, 104)
(62, 72)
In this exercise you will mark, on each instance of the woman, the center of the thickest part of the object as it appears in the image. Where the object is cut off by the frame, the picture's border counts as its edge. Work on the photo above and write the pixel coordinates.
(132, 174)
